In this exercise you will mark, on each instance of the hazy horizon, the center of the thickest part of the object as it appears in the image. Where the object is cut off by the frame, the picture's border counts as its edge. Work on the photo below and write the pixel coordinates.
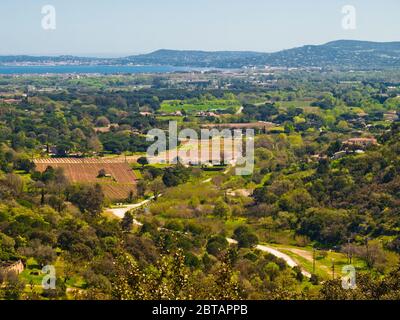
(121, 55)
(103, 28)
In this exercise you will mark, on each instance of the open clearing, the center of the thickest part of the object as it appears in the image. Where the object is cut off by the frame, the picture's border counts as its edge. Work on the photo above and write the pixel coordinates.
(200, 105)
(323, 264)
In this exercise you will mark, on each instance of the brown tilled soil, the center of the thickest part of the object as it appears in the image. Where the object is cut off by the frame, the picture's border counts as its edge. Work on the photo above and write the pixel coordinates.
(122, 180)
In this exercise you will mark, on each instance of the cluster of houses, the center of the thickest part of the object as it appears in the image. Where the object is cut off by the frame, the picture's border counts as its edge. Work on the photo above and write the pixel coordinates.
(261, 126)
(13, 99)
(360, 142)
(207, 114)
(116, 127)
(349, 146)
(355, 146)
(172, 114)
(146, 114)
(362, 119)
(391, 116)
(10, 101)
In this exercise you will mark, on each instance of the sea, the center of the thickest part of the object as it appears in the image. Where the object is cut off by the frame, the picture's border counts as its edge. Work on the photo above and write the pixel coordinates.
(92, 69)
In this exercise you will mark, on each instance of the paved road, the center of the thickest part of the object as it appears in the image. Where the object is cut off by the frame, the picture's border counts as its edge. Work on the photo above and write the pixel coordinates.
(289, 261)
(120, 213)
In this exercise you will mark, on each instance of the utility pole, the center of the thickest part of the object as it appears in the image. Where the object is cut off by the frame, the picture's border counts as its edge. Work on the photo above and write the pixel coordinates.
(313, 267)
(348, 251)
(333, 269)
(367, 248)
(351, 248)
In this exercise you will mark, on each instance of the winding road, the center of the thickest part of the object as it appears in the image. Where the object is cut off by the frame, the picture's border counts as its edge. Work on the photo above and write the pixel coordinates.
(289, 261)
(120, 213)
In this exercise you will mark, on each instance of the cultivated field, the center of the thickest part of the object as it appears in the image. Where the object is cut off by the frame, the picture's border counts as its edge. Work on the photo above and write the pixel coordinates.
(108, 159)
(117, 185)
(202, 152)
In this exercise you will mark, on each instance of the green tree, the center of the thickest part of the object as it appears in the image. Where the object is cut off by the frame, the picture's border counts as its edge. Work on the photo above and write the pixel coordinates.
(143, 161)
(216, 245)
(88, 199)
(127, 221)
(245, 237)
(221, 209)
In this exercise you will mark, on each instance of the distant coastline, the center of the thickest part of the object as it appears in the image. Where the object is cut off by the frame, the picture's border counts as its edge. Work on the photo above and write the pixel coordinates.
(341, 54)
(91, 69)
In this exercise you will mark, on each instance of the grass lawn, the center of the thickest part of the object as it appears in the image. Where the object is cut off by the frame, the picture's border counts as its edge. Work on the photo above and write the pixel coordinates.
(234, 223)
(170, 106)
(32, 273)
(138, 174)
(295, 103)
(33, 276)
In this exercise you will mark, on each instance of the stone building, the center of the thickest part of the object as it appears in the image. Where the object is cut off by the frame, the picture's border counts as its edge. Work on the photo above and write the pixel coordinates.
(7, 268)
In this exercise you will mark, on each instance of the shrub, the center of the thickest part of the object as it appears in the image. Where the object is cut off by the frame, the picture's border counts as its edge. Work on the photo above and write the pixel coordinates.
(216, 245)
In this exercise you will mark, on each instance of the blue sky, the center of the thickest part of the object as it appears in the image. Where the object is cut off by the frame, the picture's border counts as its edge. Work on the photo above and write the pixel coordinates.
(122, 27)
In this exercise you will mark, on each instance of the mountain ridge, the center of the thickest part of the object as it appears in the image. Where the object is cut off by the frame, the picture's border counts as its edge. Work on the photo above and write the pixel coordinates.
(347, 54)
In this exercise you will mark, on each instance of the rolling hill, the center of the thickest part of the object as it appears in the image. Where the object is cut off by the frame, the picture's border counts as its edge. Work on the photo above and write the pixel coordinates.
(337, 54)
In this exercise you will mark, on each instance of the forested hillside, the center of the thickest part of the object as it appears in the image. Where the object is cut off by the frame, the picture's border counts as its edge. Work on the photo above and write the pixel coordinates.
(324, 192)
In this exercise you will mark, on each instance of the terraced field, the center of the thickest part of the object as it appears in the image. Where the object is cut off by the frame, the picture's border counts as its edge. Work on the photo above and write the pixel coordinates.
(120, 180)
